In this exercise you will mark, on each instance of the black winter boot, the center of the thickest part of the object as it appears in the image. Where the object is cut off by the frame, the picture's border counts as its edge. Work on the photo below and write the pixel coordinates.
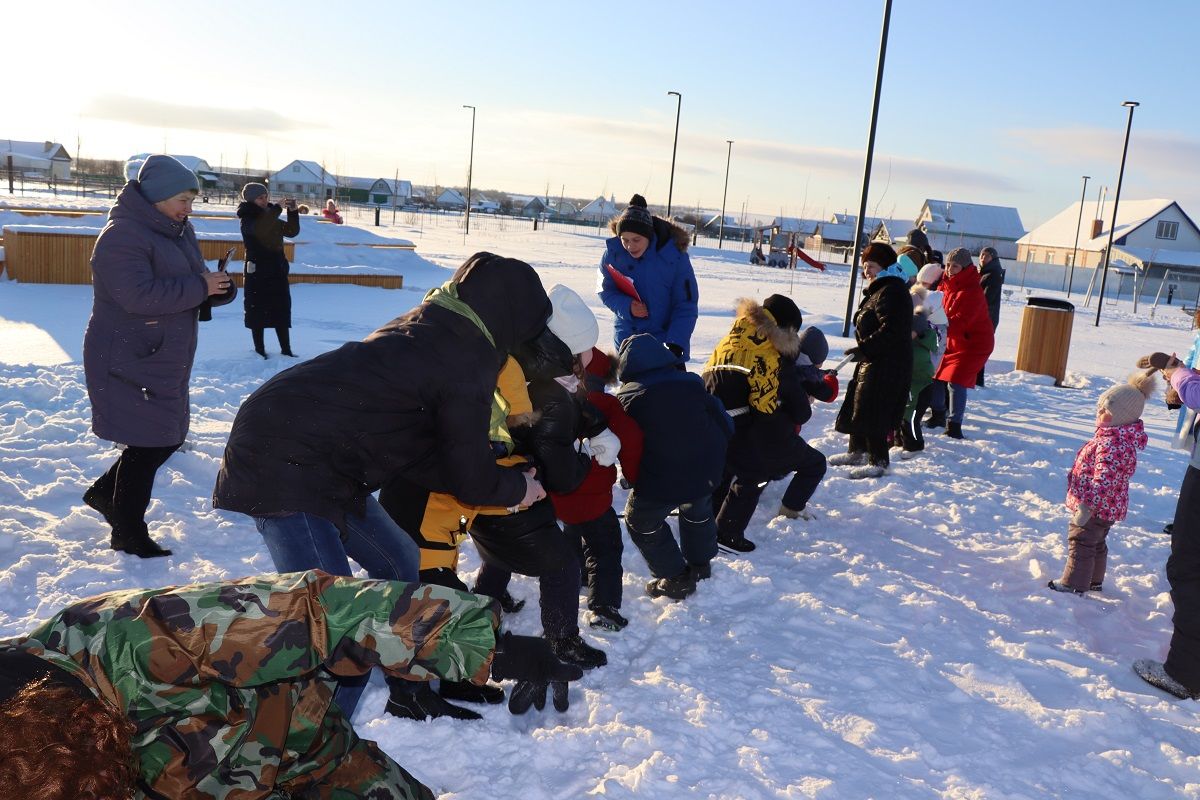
(954, 430)
(607, 617)
(574, 650)
(937, 419)
(102, 503)
(136, 542)
(738, 544)
(676, 588)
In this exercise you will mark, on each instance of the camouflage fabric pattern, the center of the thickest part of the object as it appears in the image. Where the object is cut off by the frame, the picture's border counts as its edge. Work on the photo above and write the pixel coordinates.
(230, 684)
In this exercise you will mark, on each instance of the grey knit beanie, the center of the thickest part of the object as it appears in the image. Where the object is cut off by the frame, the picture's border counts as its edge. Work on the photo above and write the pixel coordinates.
(253, 191)
(162, 177)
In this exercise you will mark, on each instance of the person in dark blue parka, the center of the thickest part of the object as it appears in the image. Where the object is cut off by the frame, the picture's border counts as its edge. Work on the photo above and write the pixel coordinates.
(686, 433)
(647, 257)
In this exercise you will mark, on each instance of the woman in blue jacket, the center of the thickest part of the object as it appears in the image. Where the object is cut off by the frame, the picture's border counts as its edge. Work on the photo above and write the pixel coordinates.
(646, 279)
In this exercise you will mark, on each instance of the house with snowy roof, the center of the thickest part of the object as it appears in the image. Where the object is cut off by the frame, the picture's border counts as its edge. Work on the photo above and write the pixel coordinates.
(599, 210)
(305, 178)
(894, 231)
(451, 199)
(950, 224)
(41, 159)
(1149, 235)
(207, 176)
(390, 192)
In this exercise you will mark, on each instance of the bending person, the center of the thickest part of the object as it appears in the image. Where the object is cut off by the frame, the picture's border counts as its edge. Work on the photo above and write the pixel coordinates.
(226, 689)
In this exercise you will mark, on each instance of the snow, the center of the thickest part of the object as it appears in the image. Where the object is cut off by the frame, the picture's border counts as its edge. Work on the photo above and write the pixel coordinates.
(902, 645)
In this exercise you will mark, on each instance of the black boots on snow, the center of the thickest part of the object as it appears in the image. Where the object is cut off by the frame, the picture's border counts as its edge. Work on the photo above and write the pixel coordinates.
(574, 650)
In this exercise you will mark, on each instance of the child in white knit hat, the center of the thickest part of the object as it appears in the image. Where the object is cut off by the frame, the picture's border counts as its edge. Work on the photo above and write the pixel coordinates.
(1098, 484)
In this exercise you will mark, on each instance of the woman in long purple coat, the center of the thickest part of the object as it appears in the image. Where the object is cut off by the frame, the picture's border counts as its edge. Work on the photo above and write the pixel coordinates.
(149, 285)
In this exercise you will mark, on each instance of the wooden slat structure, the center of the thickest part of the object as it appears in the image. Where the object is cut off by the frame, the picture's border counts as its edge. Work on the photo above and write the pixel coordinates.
(1045, 341)
(63, 258)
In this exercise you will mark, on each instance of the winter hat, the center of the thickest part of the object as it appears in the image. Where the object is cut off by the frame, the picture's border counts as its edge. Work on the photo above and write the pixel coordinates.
(960, 256)
(571, 320)
(930, 273)
(162, 177)
(1126, 401)
(783, 311)
(908, 266)
(814, 345)
(917, 255)
(990, 251)
(879, 252)
(917, 238)
(253, 191)
(636, 218)
(935, 257)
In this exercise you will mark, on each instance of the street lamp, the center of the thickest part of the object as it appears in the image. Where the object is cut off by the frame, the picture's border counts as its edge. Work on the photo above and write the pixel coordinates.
(1078, 222)
(725, 194)
(1131, 105)
(862, 207)
(674, 147)
(470, 169)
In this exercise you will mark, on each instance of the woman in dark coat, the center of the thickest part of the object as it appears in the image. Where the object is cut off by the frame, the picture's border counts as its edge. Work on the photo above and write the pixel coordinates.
(876, 395)
(268, 297)
(149, 285)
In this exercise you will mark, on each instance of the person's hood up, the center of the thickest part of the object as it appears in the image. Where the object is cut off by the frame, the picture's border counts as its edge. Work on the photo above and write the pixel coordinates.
(508, 296)
(642, 354)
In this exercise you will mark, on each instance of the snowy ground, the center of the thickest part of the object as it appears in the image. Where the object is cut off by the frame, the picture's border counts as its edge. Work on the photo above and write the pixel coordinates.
(901, 646)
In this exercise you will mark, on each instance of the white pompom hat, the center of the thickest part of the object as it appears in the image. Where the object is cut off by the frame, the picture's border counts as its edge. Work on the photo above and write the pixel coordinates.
(572, 321)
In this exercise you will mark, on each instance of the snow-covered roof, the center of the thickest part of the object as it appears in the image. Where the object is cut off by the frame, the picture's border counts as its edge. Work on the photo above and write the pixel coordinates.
(1155, 255)
(972, 219)
(599, 207)
(310, 172)
(1059, 230)
(393, 186)
(358, 183)
(795, 225)
(452, 196)
(49, 151)
(896, 228)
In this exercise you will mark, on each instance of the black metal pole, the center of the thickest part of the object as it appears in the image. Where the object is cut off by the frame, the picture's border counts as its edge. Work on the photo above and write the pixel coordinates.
(725, 194)
(470, 170)
(1131, 105)
(1075, 252)
(866, 183)
(674, 148)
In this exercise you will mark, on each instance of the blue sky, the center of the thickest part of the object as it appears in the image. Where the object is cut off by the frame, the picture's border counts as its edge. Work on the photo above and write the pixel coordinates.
(1003, 103)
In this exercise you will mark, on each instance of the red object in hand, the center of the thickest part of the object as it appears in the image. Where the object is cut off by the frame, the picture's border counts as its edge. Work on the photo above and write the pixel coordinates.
(832, 382)
(624, 282)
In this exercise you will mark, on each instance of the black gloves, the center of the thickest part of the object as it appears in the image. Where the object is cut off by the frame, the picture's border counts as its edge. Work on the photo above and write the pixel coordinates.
(853, 353)
(529, 661)
(676, 349)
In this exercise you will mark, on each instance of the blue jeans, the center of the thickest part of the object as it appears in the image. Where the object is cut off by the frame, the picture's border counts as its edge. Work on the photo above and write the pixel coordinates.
(958, 402)
(300, 541)
(646, 521)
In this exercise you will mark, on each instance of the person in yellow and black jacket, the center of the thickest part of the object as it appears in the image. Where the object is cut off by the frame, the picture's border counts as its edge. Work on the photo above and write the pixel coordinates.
(753, 372)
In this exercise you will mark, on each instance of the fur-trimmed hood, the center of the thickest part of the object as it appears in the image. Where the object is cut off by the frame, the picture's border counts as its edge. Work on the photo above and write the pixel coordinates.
(785, 340)
(664, 231)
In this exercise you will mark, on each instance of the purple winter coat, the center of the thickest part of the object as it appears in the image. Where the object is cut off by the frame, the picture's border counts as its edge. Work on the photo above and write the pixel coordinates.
(140, 341)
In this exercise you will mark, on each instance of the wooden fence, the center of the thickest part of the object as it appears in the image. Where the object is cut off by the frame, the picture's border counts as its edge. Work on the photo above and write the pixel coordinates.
(64, 258)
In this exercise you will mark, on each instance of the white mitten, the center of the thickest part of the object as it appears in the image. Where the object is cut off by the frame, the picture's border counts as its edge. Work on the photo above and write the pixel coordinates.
(605, 447)
(1082, 515)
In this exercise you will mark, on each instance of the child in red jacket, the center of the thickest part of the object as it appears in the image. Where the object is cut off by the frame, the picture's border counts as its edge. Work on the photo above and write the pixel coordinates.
(587, 513)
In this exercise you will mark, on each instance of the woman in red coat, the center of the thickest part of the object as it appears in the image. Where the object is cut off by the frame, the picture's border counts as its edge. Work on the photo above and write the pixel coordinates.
(970, 339)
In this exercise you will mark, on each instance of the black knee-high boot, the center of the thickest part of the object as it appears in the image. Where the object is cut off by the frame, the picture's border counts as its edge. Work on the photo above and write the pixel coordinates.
(285, 342)
(259, 347)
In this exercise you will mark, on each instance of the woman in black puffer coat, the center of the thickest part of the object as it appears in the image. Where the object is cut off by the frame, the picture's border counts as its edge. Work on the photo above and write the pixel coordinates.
(877, 393)
(267, 294)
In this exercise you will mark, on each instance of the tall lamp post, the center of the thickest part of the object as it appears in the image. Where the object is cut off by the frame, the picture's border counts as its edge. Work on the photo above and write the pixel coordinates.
(1131, 105)
(725, 194)
(1078, 222)
(674, 147)
(470, 169)
(862, 207)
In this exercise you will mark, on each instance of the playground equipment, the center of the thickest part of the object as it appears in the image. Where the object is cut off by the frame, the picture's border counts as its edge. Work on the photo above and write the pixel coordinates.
(782, 251)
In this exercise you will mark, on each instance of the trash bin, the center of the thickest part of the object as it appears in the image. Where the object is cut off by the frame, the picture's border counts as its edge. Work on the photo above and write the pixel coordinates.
(1045, 337)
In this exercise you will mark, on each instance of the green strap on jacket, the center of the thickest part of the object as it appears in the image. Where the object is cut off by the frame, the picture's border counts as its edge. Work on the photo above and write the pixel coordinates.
(446, 296)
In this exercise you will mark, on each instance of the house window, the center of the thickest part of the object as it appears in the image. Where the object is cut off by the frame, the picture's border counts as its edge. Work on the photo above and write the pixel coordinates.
(1049, 256)
(1167, 230)
(1032, 254)
(295, 167)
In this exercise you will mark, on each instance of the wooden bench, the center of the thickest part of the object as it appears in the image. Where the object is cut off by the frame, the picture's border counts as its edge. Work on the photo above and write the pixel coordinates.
(65, 258)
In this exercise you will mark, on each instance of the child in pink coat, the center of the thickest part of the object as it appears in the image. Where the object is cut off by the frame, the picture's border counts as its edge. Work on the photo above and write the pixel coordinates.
(1098, 484)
